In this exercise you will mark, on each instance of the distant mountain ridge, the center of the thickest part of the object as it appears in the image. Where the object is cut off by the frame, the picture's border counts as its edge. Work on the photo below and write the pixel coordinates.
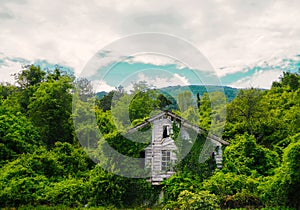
(195, 89)
(202, 89)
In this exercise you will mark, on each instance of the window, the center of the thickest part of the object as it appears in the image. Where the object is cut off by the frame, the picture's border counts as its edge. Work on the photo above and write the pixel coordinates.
(165, 160)
(166, 131)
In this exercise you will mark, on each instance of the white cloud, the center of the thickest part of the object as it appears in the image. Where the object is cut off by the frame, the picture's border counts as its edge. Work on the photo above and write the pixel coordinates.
(230, 33)
(163, 80)
(8, 70)
(155, 59)
(9, 66)
(260, 79)
(100, 85)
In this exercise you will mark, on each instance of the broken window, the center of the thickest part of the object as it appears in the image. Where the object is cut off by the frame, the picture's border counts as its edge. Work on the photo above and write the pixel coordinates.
(166, 132)
(165, 160)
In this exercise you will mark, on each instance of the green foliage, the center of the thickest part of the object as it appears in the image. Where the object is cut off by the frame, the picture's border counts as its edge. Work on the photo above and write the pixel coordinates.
(104, 121)
(140, 193)
(75, 160)
(29, 80)
(139, 104)
(281, 117)
(6, 90)
(17, 135)
(117, 154)
(244, 155)
(271, 116)
(212, 112)
(245, 111)
(233, 190)
(30, 76)
(242, 199)
(26, 190)
(41, 164)
(123, 145)
(27, 179)
(202, 90)
(85, 126)
(120, 112)
(50, 110)
(177, 183)
(164, 102)
(191, 164)
(185, 100)
(142, 104)
(283, 187)
(292, 81)
(63, 207)
(68, 192)
(107, 189)
(108, 100)
(189, 200)
(205, 111)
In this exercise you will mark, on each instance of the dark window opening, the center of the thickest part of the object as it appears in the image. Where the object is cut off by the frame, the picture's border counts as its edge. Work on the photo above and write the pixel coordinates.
(165, 131)
(142, 159)
(213, 155)
(142, 154)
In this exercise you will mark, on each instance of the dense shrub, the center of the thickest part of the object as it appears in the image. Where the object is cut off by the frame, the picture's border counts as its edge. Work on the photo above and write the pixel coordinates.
(69, 192)
(188, 200)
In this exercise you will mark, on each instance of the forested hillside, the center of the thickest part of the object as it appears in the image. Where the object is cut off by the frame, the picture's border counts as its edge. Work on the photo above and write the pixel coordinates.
(43, 164)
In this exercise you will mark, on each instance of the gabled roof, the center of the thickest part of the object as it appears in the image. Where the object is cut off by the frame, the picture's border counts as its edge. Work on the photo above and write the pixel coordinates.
(183, 122)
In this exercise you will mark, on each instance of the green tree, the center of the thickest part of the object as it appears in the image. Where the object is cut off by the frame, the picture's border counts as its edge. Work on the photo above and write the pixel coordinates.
(50, 110)
(283, 187)
(7, 90)
(185, 100)
(212, 112)
(106, 188)
(28, 79)
(246, 110)
(17, 135)
(234, 190)
(142, 104)
(291, 80)
(30, 76)
(139, 104)
(45, 177)
(291, 168)
(164, 102)
(110, 99)
(244, 155)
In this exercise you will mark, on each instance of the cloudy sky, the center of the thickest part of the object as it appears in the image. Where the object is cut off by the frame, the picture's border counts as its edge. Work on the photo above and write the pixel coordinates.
(247, 42)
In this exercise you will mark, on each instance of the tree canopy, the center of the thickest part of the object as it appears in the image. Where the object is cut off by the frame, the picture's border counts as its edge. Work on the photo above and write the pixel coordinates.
(47, 160)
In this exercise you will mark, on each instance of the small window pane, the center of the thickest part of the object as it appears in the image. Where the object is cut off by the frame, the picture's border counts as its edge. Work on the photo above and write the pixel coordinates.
(166, 163)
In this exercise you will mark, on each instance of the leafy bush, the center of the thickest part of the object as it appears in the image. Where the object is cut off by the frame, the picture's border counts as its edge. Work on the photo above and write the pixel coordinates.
(244, 155)
(17, 135)
(105, 188)
(234, 190)
(283, 187)
(70, 192)
(178, 183)
(242, 199)
(32, 177)
(188, 200)
(22, 191)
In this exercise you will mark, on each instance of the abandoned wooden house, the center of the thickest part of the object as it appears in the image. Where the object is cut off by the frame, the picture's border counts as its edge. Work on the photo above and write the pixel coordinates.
(160, 155)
